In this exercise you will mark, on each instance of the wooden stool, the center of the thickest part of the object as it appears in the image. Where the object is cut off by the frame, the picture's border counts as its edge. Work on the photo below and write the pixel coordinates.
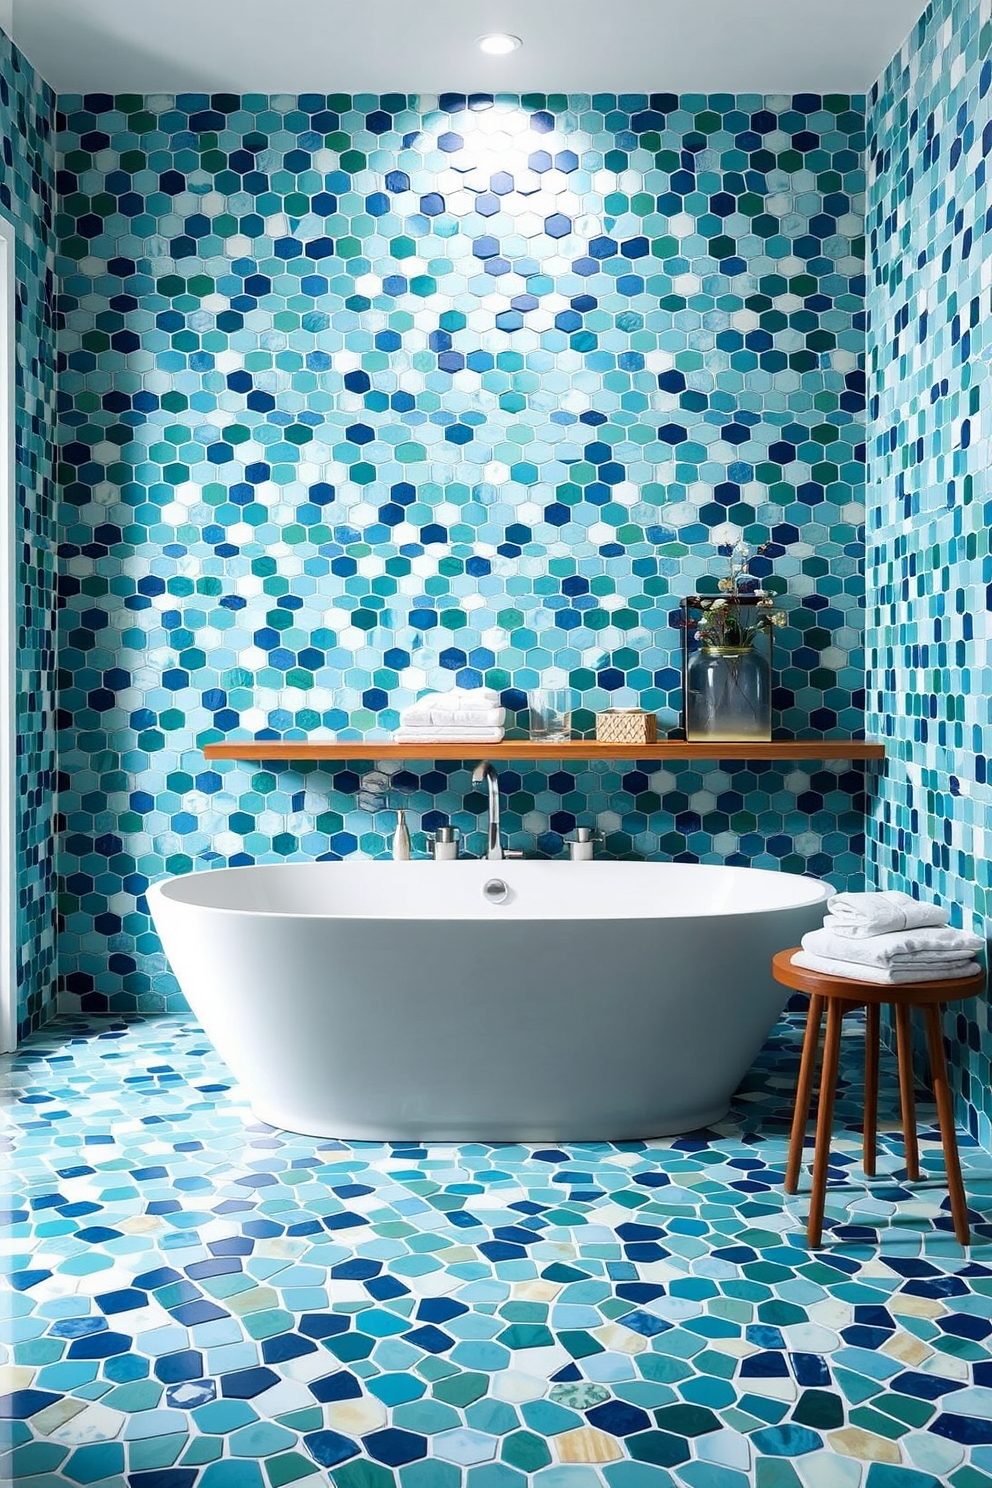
(838, 994)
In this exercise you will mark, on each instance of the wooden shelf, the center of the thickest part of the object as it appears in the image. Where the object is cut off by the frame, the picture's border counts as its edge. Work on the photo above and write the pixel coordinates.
(302, 752)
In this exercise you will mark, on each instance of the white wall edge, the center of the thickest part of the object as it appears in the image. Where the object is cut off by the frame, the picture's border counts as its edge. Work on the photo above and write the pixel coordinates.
(8, 640)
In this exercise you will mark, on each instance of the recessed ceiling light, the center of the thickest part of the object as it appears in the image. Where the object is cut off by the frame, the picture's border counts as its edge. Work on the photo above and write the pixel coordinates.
(500, 44)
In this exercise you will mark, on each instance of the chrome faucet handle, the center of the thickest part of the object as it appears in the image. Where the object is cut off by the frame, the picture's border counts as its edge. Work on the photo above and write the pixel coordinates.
(494, 845)
(514, 852)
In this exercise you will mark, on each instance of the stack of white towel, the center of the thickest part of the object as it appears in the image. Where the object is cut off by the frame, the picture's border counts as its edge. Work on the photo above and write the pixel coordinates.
(891, 938)
(463, 716)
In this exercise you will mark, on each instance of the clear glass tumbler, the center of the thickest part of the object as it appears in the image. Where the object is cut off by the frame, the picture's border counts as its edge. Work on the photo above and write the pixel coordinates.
(551, 714)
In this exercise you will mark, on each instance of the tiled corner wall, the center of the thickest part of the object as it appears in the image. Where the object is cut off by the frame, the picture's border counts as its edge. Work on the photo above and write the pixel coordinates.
(27, 191)
(360, 395)
(928, 564)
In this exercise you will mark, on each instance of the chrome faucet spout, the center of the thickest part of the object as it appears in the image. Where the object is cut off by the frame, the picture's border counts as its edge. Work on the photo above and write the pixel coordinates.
(494, 845)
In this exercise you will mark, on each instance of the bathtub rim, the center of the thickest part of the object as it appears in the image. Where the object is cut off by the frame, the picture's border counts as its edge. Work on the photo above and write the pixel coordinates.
(159, 890)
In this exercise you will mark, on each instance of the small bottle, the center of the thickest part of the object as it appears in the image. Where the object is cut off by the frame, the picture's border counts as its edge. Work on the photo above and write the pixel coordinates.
(446, 844)
(401, 839)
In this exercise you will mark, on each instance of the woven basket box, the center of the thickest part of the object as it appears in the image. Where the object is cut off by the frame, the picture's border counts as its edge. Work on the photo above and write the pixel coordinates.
(626, 726)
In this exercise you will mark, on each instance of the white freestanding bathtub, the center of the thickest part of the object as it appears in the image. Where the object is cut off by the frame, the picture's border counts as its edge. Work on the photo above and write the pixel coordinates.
(587, 1002)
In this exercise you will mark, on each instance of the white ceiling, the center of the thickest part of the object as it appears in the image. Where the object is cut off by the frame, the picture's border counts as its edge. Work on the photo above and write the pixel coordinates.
(325, 46)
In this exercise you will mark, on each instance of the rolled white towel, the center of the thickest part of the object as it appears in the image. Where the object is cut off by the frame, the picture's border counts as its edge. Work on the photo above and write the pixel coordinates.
(419, 717)
(933, 945)
(469, 718)
(457, 699)
(449, 735)
(415, 718)
(858, 916)
(420, 712)
(479, 697)
(892, 976)
(476, 707)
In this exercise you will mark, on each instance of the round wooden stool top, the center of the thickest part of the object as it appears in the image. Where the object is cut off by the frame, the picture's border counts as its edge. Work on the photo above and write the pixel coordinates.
(850, 989)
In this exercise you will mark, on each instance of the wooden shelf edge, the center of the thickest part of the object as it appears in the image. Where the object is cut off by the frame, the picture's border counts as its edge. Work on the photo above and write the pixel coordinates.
(301, 752)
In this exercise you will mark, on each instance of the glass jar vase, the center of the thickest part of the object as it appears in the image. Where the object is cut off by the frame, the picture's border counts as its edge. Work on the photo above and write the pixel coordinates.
(728, 694)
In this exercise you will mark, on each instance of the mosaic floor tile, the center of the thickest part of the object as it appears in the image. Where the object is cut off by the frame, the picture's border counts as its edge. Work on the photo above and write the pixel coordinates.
(200, 1301)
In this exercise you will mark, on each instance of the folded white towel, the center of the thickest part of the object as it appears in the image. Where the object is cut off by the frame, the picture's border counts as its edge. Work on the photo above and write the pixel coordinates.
(420, 711)
(893, 976)
(933, 945)
(457, 698)
(857, 916)
(476, 707)
(472, 717)
(475, 697)
(449, 735)
(418, 716)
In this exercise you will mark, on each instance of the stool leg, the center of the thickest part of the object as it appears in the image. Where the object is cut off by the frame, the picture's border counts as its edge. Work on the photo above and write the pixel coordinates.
(825, 1120)
(904, 1048)
(804, 1091)
(945, 1115)
(871, 1087)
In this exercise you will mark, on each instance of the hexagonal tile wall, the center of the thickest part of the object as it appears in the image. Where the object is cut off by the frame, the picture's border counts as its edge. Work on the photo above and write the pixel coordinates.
(364, 395)
(27, 201)
(930, 564)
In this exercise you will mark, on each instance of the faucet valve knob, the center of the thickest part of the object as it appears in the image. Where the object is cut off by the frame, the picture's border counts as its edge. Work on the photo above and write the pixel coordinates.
(581, 846)
(444, 844)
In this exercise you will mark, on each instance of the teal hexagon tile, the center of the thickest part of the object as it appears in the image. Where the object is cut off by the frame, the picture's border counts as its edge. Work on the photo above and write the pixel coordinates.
(935, 499)
(28, 201)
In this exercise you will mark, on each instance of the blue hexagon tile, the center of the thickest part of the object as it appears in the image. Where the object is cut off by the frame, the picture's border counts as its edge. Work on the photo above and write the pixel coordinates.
(364, 395)
(929, 564)
(27, 201)
(199, 1301)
